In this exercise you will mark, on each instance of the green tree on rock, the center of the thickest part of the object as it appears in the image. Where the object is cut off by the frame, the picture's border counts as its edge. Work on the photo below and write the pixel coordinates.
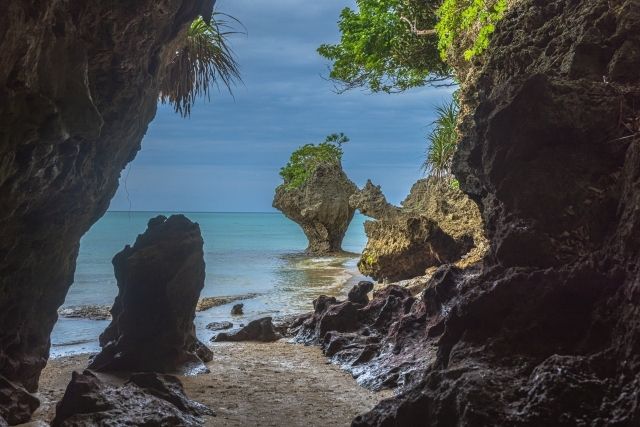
(304, 161)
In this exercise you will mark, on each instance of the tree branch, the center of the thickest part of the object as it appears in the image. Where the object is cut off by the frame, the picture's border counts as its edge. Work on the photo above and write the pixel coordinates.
(415, 30)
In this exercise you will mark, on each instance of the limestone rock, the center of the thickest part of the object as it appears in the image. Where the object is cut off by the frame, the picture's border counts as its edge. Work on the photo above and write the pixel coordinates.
(320, 207)
(78, 87)
(145, 399)
(436, 225)
(159, 283)
(256, 330)
(218, 326)
(548, 331)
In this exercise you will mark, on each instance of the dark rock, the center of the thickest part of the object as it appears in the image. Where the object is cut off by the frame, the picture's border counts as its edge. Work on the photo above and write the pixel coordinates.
(16, 404)
(159, 282)
(436, 225)
(236, 310)
(146, 399)
(77, 89)
(218, 326)
(320, 207)
(256, 330)
(548, 332)
(358, 294)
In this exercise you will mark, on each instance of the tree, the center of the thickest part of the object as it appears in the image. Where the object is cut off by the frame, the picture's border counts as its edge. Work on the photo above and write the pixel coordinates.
(304, 161)
(443, 141)
(383, 47)
(394, 45)
(204, 59)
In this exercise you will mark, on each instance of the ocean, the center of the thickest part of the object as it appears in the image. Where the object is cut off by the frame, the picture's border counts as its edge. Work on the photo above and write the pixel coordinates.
(245, 253)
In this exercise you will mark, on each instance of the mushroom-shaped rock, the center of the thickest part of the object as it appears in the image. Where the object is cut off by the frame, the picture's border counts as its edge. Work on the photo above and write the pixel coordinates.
(159, 283)
(320, 206)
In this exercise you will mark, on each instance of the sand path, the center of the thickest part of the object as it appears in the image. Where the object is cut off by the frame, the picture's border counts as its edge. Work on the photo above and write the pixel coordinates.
(252, 384)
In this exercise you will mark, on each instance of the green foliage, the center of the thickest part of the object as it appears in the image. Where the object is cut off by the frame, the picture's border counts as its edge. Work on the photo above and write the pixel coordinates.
(443, 141)
(304, 161)
(394, 45)
(380, 48)
(455, 184)
(202, 60)
(466, 26)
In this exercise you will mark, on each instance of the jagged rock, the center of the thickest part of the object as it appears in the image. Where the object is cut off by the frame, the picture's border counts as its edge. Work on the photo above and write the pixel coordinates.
(145, 399)
(218, 326)
(79, 85)
(256, 330)
(236, 310)
(93, 312)
(548, 333)
(159, 282)
(16, 404)
(320, 207)
(436, 225)
(358, 294)
(206, 303)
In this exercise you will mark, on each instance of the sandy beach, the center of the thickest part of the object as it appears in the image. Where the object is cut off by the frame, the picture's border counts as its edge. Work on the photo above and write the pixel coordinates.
(251, 384)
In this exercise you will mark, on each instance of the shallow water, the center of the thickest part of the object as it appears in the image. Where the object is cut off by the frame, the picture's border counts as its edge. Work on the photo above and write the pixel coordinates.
(260, 253)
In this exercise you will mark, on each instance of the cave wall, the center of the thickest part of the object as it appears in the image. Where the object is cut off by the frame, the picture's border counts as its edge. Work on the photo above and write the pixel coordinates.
(78, 87)
(549, 332)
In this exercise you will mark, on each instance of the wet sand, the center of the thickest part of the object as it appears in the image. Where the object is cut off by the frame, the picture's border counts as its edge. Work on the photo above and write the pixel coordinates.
(252, 384)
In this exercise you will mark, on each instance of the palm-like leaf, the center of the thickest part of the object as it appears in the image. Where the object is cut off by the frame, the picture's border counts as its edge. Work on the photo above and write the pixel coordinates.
(204, 60)
(443, 141)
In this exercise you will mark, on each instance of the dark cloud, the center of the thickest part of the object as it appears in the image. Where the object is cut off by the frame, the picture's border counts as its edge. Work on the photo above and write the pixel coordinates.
(226, 157)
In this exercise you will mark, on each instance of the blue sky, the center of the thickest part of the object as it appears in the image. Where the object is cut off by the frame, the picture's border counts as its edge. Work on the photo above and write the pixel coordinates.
(227, 155)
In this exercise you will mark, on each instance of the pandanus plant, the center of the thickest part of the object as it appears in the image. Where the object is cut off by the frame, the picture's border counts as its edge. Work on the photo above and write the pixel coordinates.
(443, 141)
(203, 60)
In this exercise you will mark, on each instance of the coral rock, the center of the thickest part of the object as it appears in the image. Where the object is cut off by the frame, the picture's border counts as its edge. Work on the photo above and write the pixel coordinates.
(321, 207)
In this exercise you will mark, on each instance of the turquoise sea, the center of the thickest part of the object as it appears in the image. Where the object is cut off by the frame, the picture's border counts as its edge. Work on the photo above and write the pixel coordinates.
(245, 253)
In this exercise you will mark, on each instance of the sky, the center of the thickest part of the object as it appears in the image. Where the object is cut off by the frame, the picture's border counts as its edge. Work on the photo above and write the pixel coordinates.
(227, 155)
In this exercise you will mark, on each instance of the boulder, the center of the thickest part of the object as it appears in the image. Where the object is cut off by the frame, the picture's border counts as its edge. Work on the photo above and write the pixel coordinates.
(320, 207)
(358, 294)
(436, 225)
(237, 310)
(16, 404)
(256, 330)
(145, 399)
(159, 283)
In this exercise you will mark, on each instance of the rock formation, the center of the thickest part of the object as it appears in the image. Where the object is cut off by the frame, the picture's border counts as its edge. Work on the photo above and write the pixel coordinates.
(435, 225)
(256, 330)
(320, 207)
(159, 283)
(145, 399)
(78, 87)
(547, 332)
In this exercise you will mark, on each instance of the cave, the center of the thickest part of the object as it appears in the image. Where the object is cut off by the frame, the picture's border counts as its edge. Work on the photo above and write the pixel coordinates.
(547, 332)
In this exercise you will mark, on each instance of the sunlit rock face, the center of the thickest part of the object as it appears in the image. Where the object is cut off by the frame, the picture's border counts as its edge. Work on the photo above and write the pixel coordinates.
(320, 207)
(78, 87)
(437, 224)
(548, 333)
(159, 279)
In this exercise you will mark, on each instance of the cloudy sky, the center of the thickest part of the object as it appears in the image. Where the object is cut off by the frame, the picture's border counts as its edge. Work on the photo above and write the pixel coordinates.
(227, 155)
